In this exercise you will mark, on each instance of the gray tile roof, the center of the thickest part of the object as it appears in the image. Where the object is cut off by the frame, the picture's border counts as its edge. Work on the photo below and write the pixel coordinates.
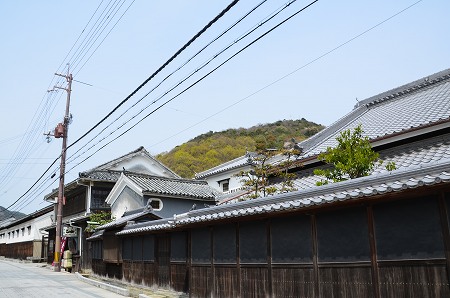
(412, 154)
(96, 235)
(229, 165)
(418, 153)
(195, 189)
(355, 189)
(101, 175)
(139, 151)
(421, 163)
(156, 225)
(410, 106)
(145, 212)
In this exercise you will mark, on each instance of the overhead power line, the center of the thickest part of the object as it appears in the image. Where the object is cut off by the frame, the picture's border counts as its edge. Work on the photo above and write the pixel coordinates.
(199, 80)
(221, 14)
(261, 23)
(247, 33)
(39, 122)
(215, 19)
(259, 90)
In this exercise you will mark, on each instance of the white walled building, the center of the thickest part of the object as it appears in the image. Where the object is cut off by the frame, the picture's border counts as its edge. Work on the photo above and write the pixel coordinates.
(25, 238)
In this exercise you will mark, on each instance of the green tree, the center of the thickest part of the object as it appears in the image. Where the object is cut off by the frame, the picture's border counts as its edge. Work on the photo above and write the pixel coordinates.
(256, 180)
(98, 219)
(353, 157)
(287, 184)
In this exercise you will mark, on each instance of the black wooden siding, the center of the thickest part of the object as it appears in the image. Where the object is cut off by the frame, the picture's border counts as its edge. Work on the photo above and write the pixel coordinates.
(394, 248)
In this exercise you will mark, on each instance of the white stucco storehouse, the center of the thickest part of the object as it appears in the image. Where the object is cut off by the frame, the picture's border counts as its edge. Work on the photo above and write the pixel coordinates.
(25, 238)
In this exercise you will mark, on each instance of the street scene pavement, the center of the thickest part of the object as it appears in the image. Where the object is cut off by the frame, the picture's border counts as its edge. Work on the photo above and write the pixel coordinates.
(19, 279)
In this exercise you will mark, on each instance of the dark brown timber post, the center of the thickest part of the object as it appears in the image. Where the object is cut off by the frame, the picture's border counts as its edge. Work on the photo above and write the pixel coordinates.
(373, 253)
(445, 231)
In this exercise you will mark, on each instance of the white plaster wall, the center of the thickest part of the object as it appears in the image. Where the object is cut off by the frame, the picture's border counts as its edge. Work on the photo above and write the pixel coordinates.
(127, 200)
(144, 165)
(35, 224)
(235, 182)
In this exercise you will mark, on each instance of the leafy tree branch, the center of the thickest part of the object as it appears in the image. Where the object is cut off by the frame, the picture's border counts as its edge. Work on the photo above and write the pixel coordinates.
(353, 157)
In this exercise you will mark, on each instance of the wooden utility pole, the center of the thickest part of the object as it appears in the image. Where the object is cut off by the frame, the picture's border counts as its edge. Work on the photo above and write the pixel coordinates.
(61, 131)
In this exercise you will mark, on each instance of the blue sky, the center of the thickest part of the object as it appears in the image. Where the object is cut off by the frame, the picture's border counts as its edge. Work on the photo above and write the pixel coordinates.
(279, 77)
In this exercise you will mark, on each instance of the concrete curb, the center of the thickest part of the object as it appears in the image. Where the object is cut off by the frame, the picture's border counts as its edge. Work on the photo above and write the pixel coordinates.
(105, 286)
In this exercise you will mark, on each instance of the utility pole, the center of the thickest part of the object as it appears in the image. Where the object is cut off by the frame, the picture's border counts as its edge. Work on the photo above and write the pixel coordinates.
(61, 131)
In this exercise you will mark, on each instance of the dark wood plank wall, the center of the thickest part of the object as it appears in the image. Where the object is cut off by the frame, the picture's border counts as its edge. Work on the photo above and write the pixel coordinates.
(126, 271)
(420, 280)
(293, 281)
(99, 267)
(225, 281)
(200, 281)
(372, 275)
(345, 281)
(19, 250)
(150, 277)
(254, 281)
(179, 277)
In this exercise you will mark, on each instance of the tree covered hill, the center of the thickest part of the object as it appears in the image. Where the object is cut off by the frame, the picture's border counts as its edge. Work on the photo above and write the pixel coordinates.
(213, 148)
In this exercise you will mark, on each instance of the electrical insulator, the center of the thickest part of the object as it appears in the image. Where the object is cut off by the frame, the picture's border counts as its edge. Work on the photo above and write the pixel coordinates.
(59, 130)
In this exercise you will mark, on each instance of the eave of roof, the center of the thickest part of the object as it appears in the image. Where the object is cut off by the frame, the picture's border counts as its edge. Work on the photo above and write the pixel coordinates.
(359, 188)
(423, 103)
(123, 220)
(242, 161)
(178, 187)
(139, 151)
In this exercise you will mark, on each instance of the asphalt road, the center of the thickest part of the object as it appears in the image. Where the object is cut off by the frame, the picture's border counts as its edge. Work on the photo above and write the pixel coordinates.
(32, 280)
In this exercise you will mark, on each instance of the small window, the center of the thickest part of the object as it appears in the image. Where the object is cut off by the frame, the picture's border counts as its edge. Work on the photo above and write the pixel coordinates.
(9, 235)
(156, 204)
(29, 230)
(225, 186)
(23, 231)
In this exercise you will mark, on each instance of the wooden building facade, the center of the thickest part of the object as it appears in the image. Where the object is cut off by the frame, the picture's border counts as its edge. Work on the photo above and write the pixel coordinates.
(383, 235)
(388, 246)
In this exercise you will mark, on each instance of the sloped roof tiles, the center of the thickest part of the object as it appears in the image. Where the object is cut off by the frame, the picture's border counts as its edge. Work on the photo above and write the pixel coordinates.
(413, 105)
(421, 163)
(399, 180)
(173, 186)
(229, 165)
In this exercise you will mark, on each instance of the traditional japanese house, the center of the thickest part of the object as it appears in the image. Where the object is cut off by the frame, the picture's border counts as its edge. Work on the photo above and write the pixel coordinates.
(87, 194)
(383, 235)
(139, 198)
